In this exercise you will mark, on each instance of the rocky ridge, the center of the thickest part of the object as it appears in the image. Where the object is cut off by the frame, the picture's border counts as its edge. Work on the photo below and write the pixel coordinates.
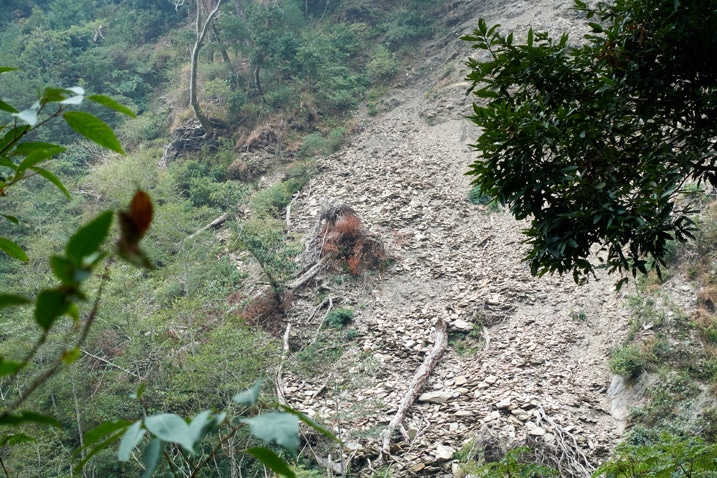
(539, 372)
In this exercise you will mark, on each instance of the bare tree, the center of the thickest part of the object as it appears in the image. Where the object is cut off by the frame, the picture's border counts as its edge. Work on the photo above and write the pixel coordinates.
(200, 34)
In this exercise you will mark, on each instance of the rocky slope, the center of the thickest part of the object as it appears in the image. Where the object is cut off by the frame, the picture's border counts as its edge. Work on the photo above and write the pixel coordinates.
(538, 372)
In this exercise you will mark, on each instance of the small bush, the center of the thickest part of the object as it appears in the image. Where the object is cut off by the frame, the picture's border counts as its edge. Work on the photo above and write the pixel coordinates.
(668, 455)
(578, 316)
(382, 66)
(271, 201)
(267, 313)
(514, 463)
(628, 361)
(339, 318)
(314, 144)
(345, 240)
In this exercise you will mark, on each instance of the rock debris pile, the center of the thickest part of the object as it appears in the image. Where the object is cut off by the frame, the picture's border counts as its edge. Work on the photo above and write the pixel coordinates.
(527, 358)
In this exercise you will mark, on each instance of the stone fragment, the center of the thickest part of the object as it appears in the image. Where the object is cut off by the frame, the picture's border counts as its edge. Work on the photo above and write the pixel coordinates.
(443, 452)
(461, 326)
(417, 467)
(435, 397)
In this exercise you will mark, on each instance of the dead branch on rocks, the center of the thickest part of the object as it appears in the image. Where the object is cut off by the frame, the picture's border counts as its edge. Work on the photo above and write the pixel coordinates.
(567, 456)
(308, 275)
(280, 395)
(417, 384)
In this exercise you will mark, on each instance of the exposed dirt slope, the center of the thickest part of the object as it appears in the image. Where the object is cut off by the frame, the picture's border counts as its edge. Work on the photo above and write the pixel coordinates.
(545, 341)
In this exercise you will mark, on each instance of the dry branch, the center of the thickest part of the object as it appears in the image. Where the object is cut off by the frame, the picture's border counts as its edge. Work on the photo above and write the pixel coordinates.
(281, 397)
(308, 275)
(569, 457)
(111, 364)
(417, 384)
(215, 223)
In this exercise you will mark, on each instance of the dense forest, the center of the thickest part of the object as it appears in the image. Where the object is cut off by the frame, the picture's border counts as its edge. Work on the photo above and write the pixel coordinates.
(279, 81)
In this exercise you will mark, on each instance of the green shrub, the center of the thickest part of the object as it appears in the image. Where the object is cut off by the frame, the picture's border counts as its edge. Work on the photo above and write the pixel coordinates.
(335, 139)
(382, 66)
(669, 456)
(514, 464)
(578, 316)
(628, 361)
(478, 197)
(314, 144)
(339, 318)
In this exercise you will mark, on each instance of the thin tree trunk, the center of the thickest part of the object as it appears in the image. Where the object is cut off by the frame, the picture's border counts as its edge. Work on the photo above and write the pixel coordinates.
(77, 417)
(257, 79)
(193, 101)
(222, 48)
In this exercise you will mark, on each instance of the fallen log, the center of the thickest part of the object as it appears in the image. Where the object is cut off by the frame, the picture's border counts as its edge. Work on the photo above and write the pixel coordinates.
(215, 223)
(417, 384)
(308, 275)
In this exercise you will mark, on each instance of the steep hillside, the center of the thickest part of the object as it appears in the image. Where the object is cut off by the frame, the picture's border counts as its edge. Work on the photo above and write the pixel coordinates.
(528, 357)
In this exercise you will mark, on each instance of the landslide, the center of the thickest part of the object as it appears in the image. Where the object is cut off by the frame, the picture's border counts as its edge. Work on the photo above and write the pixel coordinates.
(527, 358)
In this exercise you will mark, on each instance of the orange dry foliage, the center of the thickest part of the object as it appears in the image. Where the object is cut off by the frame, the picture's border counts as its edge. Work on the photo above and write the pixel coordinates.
(347, 242)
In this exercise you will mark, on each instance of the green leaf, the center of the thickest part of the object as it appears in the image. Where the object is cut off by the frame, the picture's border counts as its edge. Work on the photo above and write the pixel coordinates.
(112, 104)
(5, 69)
(51, 304)
(88, 239)
(53, 179)
(35, 158)
(29, 417)
(61, 95)
(171, 428)
(10, 218)
(9, 367)
(248, 397)
(203, 424)
(8, 108)
(12, 136)
(97, 449)
(272, 461)
(23, 149)
(310, 422)
(5, 162)
(93, 129)
(140, 391)
(71, 356)
(102, 430)
(63, 269)
(282, 428)
(12, 250)
(11, 300)
(130, 439)
(151, 457)
(16, 439)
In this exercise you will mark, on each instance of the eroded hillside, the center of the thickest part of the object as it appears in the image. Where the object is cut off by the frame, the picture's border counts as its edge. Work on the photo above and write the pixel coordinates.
(527, 359)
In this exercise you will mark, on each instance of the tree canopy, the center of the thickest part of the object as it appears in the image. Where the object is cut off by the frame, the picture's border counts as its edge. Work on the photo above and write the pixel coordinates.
(594, 143)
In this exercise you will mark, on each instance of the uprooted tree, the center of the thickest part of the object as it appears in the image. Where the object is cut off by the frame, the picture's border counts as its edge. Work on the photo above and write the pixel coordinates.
(594, 143)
